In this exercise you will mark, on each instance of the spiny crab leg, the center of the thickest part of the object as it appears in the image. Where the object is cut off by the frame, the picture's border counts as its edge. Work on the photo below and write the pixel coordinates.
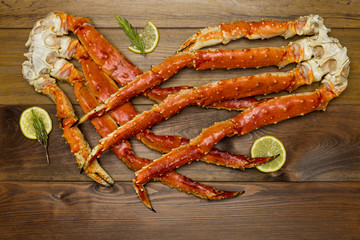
(159, 94)
(225, 33)
(73, 136)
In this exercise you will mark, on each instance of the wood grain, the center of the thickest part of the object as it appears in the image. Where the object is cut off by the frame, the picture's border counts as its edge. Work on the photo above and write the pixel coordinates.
(180, 14)
(314, 196)
(46, 211)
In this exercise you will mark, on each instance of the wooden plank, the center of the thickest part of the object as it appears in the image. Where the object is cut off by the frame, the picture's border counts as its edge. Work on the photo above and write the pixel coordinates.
(14, 89)
(315, 196)
(321, 146)
(37, 210)
(180, 14)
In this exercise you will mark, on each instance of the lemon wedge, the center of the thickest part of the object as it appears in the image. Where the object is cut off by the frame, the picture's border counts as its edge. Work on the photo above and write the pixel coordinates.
(150, 38)
(268, 146)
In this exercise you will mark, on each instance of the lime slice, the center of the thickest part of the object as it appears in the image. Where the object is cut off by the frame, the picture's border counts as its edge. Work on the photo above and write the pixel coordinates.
(150, 37)
(26, 123)
(268, 146)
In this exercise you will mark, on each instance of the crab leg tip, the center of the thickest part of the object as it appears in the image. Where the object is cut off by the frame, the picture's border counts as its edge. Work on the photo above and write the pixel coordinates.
(81, 170)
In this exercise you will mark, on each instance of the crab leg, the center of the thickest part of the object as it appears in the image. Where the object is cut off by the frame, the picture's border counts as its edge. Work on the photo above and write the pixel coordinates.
(222, 90)
(159, 94)
(225, 33)
(73, 136)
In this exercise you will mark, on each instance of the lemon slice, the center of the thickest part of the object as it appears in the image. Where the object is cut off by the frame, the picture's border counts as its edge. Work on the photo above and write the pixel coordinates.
(150, 37)
(26, 123)
(268, 146)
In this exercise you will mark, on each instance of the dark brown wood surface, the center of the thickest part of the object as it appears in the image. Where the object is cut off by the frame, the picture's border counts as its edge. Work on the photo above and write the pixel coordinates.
(316, 195)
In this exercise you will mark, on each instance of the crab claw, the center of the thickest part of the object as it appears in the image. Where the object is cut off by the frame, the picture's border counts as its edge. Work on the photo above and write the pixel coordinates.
(94, 171)
(141, 192)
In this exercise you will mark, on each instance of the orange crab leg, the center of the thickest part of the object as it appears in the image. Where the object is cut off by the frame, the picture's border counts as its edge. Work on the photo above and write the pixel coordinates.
(222, 90)
(159, 94)
(225, 33)
(272, 111)
(73, 136)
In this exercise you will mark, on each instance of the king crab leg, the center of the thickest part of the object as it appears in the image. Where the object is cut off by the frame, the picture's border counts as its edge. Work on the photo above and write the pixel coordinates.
(159, 94)
(225, 33)
(73, 136)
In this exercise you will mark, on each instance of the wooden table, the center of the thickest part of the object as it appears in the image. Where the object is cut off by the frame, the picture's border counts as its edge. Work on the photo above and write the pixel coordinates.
(316, 195)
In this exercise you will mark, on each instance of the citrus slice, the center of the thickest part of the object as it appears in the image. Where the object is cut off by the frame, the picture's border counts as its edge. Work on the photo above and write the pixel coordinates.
(150, 38)
(268, 146)
(26, 122)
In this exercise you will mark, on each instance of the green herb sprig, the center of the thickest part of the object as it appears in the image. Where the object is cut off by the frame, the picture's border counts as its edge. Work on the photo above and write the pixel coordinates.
(41, 134)
(132, 34)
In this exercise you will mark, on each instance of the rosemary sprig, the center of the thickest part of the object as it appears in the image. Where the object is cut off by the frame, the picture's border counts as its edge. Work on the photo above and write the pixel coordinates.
(41, 134)
(131, 32)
